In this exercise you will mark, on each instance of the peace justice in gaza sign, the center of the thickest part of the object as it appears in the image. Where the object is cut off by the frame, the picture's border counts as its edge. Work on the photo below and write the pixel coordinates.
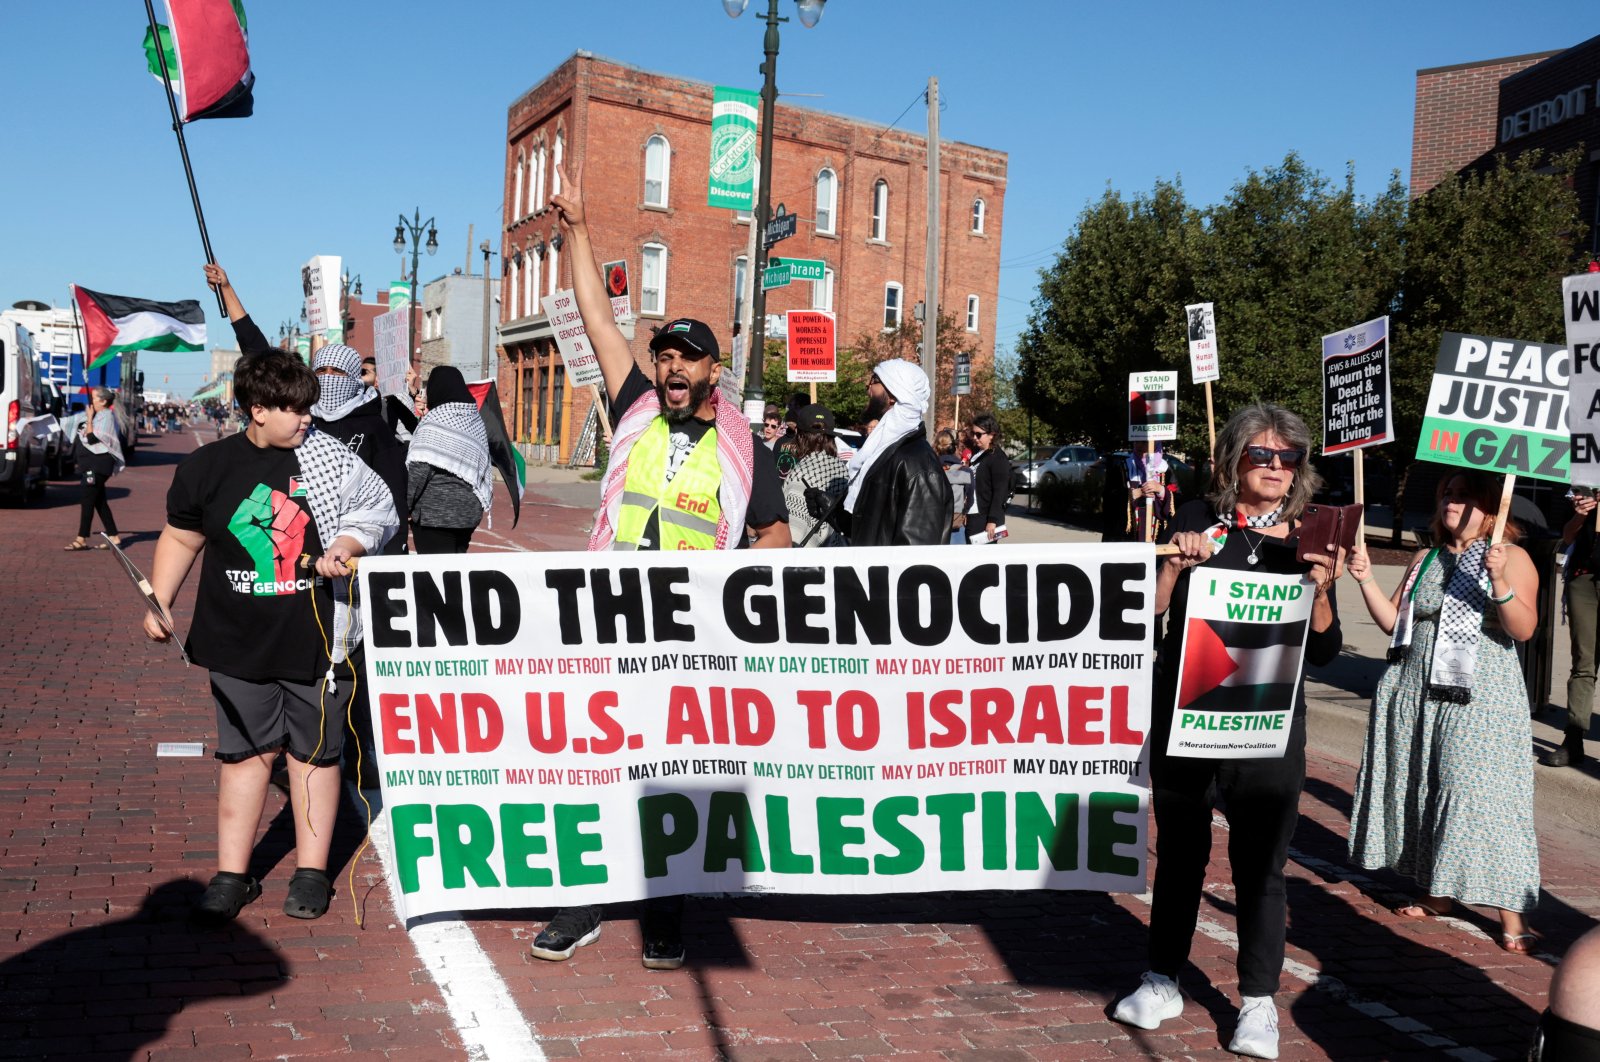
(562, 728)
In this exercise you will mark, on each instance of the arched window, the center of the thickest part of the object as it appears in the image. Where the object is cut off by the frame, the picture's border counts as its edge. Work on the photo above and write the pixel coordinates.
(555, 162)
(880, 210)
(822, 292)
(827, 201)
(979, 210)
(657, 170)
(538, 180)
(972, 310)
(516, 198)
(653, 280)
(515, 304)
(892, 299)
(530, 284)
(553, 278)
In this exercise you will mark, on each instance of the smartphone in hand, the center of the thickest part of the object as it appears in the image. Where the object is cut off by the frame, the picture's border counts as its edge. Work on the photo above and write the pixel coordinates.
(1323, 524)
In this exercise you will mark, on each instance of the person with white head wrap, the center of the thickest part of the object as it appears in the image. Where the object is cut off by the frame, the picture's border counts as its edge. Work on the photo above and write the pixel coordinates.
(899, 494)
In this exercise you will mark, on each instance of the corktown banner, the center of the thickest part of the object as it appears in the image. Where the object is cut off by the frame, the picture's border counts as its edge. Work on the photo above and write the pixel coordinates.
(558, 728)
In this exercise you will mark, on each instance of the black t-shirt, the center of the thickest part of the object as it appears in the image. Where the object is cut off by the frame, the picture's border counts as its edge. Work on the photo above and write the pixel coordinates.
(766, 486)
(253, 616)
(1276, 555)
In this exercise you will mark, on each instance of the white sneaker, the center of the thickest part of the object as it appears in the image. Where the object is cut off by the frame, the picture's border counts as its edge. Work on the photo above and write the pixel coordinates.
(1153, 1002)
(1257, 1034)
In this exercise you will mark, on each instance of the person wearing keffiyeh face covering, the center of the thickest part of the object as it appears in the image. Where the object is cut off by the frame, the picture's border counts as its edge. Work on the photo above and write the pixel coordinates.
(448, 466)
(350, 410)
(1445, 791)
(1249, 523)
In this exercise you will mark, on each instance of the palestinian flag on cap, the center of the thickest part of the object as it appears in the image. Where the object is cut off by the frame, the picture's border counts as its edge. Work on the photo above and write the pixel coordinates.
(207, 52)
(115, 323)
(1230, 666)
(513, 469)
(1152, 407)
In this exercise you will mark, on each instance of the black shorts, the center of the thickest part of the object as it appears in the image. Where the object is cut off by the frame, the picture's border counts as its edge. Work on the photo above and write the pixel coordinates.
(255, 717)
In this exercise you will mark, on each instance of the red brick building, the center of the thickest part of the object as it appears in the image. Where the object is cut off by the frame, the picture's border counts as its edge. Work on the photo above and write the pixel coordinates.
(645, 141)
(1468, 114)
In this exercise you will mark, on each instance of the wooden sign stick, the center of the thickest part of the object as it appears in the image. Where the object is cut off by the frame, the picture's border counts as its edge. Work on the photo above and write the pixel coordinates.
(600, 411)
(1361, 499)
(1149, 502)
(1505, 509)
(1211, 422)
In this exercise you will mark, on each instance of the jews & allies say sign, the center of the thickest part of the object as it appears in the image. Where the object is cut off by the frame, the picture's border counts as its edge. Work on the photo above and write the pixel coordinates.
(565, 728)
(1243, 643)
(1580, 305)
(1499, 405)
(1356, 410)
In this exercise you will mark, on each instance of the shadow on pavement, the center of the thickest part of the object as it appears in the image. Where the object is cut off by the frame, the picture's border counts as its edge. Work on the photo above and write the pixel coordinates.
(108, 990)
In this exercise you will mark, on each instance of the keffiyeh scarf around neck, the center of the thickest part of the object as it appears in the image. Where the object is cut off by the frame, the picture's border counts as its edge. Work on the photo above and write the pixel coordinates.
(452, 437)
(1455, 645)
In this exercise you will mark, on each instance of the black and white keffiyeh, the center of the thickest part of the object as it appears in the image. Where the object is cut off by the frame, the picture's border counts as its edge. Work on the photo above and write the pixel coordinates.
(452, 437)
(346, 498)
(1455, 646)
(339, 395)
(1241, 519)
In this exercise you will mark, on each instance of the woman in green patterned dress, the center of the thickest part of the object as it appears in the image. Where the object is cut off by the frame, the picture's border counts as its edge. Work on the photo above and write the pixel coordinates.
(1445, 792)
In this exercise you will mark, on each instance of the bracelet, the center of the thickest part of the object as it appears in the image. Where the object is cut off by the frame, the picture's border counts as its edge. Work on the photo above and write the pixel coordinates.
(1510, 596)
(1368, 579)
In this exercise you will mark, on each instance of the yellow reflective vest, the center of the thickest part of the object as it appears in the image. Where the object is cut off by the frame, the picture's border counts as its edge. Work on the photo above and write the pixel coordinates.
(687, 508)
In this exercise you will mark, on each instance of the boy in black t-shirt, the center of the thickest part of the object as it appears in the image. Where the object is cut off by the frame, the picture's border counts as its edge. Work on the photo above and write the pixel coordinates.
(268, 624)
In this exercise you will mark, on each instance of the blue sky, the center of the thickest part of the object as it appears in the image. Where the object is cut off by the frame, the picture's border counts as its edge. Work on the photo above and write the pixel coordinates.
(364, 110)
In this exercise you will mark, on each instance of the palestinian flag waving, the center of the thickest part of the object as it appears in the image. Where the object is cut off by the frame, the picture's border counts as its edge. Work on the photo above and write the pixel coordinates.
(115, 323)
(1230, 666)
(513, 469)
(207, 54)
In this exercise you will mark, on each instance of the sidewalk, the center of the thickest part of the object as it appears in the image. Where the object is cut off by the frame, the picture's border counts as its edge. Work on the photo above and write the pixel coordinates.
(103, 846)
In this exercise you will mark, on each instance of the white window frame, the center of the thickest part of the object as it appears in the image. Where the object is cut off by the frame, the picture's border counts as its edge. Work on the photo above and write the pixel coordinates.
(880, 210)
(538, 179)
(515, 292)
(828, 207)
(659, 308)
(516, 199)
(973, 307)
(822, 291)
(557, 156)
(555, 267)
(535, 265)
(666, 171)
(741, 264)
(980, 214)
(899, 305)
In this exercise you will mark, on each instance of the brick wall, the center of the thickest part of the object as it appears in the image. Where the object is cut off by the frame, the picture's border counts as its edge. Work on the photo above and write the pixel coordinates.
(608, 111)
(1456, 116)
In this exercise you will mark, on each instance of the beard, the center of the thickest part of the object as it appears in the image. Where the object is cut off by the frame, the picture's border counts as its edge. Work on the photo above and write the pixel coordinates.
(876, 408)
(699, 391)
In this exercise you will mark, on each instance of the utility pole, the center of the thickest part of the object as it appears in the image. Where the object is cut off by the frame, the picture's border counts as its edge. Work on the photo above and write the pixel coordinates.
(756, 344)
(488, 341)
(930, 322)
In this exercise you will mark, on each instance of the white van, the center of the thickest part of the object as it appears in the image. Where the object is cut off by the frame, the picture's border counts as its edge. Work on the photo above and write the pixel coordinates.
(28, 423)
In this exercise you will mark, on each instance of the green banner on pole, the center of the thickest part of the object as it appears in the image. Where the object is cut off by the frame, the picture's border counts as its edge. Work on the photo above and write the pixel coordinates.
(733, 148)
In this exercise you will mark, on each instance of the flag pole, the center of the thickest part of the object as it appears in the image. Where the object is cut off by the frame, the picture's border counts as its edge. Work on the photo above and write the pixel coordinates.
(183, 147)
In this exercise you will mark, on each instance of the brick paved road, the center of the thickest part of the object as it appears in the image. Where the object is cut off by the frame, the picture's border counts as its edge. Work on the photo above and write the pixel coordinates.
(103, 846)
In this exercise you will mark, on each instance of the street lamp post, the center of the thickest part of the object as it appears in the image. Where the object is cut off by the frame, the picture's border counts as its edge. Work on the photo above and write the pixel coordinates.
(348, 286)
(488, 344)
(415, 227)
(810, 12)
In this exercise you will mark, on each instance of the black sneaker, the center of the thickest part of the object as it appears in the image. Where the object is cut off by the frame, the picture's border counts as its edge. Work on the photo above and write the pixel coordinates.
(569, 930)
(663, 945)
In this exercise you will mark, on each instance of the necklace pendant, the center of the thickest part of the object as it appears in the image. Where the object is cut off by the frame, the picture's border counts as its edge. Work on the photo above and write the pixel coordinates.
(1253, 559)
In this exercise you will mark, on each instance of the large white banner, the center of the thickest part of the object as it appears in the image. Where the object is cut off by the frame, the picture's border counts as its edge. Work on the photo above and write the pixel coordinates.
(560, 728)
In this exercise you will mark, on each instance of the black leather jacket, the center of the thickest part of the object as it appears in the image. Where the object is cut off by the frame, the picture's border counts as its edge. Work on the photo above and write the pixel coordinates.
(905, 499)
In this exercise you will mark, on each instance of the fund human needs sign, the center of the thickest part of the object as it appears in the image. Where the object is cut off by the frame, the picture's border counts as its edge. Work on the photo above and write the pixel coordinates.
(1499, 405)
(1355, 388)
(1580, 305)
(570, 728)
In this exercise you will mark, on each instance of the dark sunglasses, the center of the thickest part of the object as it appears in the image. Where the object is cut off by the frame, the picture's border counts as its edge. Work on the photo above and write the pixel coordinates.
(1261, 456)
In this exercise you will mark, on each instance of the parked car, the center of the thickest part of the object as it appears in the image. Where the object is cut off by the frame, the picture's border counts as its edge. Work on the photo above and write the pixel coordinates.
(60, 455)
(28, 425)
(1052, 464)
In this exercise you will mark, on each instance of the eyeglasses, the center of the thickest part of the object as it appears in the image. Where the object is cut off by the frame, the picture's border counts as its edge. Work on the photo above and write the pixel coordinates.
(978, 434)
(1261, 456)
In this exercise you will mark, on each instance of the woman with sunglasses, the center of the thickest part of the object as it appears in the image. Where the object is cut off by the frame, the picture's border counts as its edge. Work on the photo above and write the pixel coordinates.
(991, 480)
(1262, 486)
(1445, 791)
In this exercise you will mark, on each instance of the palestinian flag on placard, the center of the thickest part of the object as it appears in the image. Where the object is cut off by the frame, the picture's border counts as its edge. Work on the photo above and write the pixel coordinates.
(504, 455)
(1152, 407)
(1230, 666)
(115, 323)
(207, 49)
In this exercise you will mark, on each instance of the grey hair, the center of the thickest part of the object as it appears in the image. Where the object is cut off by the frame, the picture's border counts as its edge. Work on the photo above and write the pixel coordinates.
(1235, 437)
(106, 395)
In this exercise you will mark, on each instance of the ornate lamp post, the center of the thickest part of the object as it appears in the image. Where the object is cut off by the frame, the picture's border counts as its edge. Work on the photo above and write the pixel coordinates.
(415, 227)
(348, 286)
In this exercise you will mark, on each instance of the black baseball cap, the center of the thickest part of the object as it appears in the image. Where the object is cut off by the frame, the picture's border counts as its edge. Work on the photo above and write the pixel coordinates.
(689, 335)
(816, 416)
